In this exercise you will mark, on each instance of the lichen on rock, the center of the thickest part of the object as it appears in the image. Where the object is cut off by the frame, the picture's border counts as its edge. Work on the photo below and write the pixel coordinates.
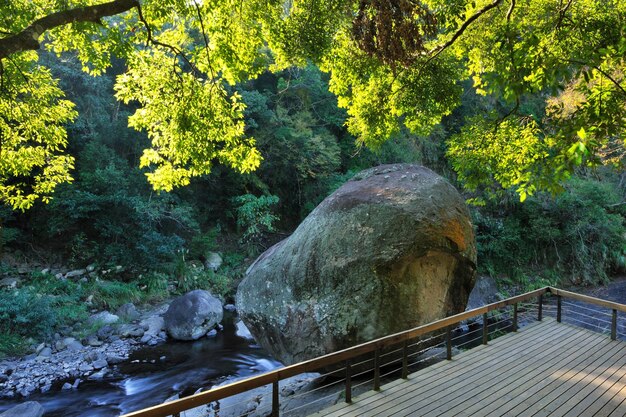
(391, 249)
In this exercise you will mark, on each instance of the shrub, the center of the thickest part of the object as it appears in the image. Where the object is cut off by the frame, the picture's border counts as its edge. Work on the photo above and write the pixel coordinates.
(579, 235)
(24, 314)
(255, 216)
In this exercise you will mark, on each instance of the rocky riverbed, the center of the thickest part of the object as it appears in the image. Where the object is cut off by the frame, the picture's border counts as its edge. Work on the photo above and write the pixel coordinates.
(66, 362)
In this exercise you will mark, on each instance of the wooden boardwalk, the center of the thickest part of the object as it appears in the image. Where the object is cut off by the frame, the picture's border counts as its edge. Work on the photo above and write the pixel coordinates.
(546, 368)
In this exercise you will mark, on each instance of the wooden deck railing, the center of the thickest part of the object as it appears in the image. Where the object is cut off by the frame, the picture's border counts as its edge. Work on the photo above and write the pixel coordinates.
(174, 408)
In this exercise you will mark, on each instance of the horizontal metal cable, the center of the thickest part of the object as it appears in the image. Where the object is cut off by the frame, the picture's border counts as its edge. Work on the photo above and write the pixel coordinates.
(427, 340)
(424, 360)
(390, 372)
(303, 394)
(585, 315)
(360, 384)
(587, 324)
(382, 355)
(586, 308)
(424, 350)
(480, 329)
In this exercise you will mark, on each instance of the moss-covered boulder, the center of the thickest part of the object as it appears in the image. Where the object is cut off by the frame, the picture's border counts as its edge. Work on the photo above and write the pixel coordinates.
(391, 249)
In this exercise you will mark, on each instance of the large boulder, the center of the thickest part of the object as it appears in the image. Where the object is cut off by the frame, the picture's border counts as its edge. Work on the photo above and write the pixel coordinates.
(191, 316)
(391, 249)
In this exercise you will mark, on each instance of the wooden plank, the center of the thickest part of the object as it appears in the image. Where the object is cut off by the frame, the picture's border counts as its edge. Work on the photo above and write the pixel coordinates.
(602, 395)
(508, 394)
(584, 382)
(620, 410)
(424, 392)
(473, 357)
(530, 367)
(442, 369)
(530, 389)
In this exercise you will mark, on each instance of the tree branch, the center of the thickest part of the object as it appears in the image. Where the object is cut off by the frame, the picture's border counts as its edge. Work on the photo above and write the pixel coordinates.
(28, 38)
(439, 49)
(510, 12)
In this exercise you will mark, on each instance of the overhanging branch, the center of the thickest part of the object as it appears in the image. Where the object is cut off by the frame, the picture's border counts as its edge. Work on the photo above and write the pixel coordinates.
(28, 38)
(439, 49)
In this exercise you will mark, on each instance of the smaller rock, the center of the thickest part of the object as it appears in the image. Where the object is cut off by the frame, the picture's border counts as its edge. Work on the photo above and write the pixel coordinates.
(75, 273)
(45, 388)
(92, 340)
(10, 282)
(59, 276)
(103, 317)
(45, 352)
(45, 271)
(114, 359)
(213, 261)
(105, 332)
(192, 315)
(76, 383)
(153, 325)
(230, 307)
(212, 333)
(242, 331)
(72, 344)
(98, 376)
(90, 268)
(128, 311)
(130, 330)
(99, 364)
(85, 367)
(66, 386)
(40, 348)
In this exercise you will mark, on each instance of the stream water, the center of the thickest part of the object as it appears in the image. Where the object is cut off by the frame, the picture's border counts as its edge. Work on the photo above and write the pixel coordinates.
(147, 379)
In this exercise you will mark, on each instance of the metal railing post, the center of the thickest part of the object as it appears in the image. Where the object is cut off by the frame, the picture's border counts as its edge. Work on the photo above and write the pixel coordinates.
(485, 329)
(540, 307)
(348, 381)
(377, 370)
(515, 317)
(558, 308)
(614, 325)
(405, 360)
(275, 400)
(449, 342)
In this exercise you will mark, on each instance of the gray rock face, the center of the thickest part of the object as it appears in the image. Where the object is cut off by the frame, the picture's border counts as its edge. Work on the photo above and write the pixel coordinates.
(191, 316)
(484, 292)
(391, 249)
(27, 409)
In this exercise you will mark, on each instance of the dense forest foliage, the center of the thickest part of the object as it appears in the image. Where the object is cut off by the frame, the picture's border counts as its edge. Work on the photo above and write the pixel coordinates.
(271, 116)
(110, 215)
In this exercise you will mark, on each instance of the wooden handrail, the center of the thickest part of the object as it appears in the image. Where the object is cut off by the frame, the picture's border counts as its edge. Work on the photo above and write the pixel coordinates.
(588, 299)
(238, 387)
